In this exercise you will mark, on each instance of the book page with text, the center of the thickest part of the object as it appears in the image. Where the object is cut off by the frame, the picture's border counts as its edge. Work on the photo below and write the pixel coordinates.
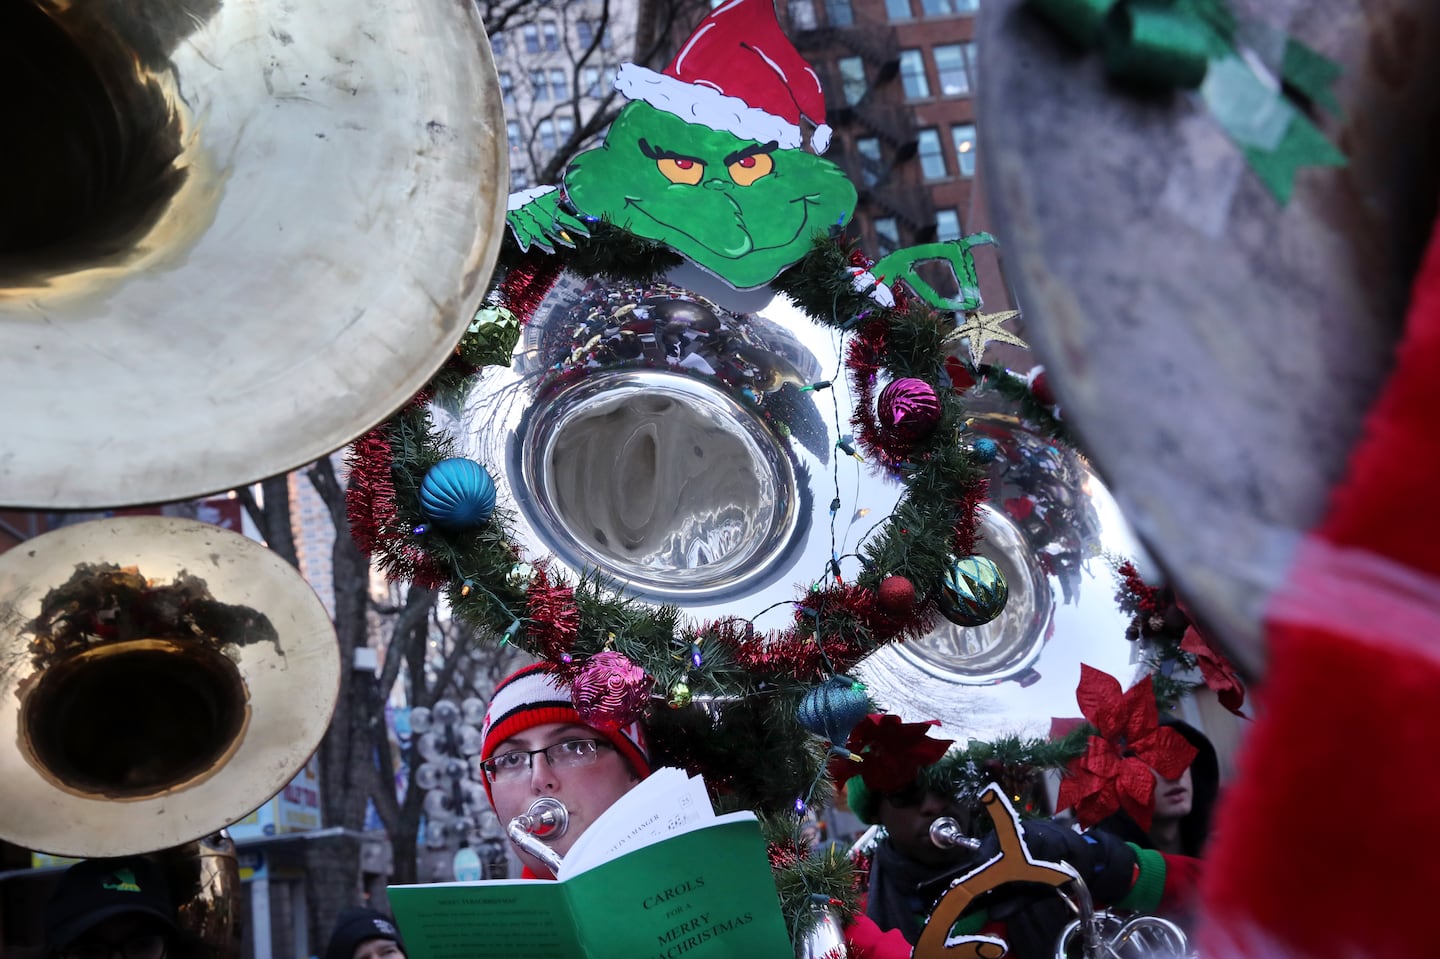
(666, 802)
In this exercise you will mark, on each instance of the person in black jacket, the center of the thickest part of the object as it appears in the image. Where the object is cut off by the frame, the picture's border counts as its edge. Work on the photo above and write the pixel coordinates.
(909, 872)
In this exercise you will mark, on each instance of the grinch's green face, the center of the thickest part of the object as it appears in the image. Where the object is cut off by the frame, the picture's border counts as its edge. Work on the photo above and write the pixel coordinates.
(743, 210)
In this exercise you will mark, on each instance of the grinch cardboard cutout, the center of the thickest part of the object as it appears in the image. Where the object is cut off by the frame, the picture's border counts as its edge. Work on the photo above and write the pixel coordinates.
(708, 157)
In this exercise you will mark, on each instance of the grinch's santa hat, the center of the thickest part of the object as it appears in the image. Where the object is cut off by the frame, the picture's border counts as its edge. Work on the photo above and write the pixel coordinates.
(738, 73)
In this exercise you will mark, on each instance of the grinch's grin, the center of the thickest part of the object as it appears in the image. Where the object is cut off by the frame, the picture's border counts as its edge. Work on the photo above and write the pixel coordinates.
(637, 203)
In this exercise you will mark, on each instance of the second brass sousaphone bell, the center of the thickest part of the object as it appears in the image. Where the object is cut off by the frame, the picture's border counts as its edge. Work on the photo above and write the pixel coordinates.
(159, 679)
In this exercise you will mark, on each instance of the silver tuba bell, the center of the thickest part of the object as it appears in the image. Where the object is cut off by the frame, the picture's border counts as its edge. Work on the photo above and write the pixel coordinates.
(1106, 935)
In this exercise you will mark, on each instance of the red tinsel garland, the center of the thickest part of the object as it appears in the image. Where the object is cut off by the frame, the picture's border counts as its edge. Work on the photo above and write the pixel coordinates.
(862, 359)
(553, 621)
(370, 508)
(370, 493)
(528, 283)
(801, 653)
(967, 517)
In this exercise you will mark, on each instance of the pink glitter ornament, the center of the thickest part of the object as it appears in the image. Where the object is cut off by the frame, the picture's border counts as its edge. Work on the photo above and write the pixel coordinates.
(908, 409)
(610, 691)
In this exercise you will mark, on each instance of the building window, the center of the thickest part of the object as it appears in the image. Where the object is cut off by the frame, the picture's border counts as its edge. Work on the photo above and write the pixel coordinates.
(497, 45)
(559, 84)
(538, 88)
(947, 225)
(532, 37)
(839, 14)
(897, 9)
(545, 130)
(951, 70)
(912, 75)
(519, 178)
(964, 136)
(507, 87)
(590, 81)
(585, 33)
(932, 158)
(512, 134)
(551, 34)
(802, 14)
(852, 79)
(941, 8)
(564, 129)
(887, 234)
(872, 161)
(972, 62)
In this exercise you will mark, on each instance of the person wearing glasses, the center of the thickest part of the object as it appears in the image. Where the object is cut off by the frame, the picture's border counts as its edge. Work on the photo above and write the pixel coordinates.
(111, 909)
(534, 743)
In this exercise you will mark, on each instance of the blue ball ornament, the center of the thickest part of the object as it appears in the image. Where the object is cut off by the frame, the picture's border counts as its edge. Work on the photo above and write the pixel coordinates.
(972, 591)
(832, 709)
(458, 494)
(986, 449)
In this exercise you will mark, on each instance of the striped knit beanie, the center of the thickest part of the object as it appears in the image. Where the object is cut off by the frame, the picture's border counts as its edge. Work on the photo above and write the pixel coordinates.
(533, 697)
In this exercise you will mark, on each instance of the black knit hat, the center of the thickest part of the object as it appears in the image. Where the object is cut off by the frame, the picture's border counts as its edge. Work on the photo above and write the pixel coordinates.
(356, 925)
(97, 889)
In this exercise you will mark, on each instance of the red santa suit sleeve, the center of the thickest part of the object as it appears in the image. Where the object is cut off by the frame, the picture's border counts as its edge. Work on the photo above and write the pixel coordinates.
(1347, 724)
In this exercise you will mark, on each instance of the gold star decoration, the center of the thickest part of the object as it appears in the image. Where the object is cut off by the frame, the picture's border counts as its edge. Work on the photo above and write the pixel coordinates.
(980, 329)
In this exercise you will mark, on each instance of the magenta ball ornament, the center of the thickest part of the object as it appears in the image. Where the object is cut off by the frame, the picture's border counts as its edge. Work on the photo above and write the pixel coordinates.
(908, 409)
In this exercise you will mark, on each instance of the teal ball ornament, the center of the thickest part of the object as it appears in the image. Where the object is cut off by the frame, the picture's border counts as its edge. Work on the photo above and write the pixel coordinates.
(832, 709)
(458, 494)
(972, 591)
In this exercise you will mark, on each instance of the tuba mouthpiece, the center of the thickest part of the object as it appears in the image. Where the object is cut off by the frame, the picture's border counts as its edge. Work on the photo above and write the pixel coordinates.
(945, 833)
(546, 819)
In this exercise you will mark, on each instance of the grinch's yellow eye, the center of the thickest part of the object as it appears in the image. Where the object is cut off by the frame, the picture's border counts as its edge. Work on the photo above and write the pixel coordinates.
(681, 169)
(747, 170)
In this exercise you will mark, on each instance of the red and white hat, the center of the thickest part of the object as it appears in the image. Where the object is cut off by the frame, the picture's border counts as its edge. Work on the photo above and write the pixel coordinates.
(533, 696)
(739, 73)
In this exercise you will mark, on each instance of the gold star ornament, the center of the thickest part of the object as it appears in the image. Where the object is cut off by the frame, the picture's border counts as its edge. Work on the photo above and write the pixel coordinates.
(981, 329)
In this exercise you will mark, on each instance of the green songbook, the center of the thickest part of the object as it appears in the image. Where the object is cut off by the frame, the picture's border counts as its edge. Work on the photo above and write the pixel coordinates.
(698, 887)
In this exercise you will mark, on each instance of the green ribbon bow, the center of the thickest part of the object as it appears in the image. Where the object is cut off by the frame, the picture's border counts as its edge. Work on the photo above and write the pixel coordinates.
(1245, 73)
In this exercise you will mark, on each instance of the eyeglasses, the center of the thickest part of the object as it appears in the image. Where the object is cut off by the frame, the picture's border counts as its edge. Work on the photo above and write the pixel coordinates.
(516, 764)
(146, 946)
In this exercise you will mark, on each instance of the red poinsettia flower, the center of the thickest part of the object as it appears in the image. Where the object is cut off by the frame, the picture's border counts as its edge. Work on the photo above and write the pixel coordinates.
(1115, 772)
(891, 752)
(1216, 670)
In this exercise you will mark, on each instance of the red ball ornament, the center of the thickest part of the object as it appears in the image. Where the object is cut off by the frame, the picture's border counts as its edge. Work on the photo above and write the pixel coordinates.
(610, 691)
(908, 409)
(896, 594)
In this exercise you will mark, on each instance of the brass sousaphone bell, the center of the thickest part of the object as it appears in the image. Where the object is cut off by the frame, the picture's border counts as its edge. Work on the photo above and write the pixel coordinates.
(159, 679)
(234, 235)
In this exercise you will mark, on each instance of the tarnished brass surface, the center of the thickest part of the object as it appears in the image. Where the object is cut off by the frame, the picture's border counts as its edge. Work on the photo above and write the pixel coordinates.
(1215, 351)
(159, 679)
(234, 235)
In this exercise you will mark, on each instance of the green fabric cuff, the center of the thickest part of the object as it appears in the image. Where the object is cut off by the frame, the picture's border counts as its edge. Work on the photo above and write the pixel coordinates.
(1149, 888)
(970, 923)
